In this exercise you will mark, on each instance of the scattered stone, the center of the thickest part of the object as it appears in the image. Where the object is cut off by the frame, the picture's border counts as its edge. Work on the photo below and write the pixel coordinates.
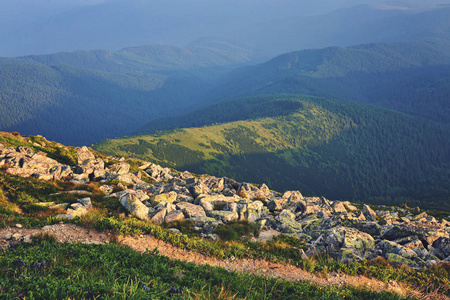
(336, 227)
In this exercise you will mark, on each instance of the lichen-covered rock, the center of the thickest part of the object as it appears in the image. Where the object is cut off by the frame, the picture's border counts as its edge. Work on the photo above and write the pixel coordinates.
(77, 210)
(399, 231)
(159, 173)
(216, 199)
(208, 224)
(275, 205)
(207, 206)
(224, 216)
(199, 188)
(159, 217)
(345, 237)
(130, 178)
(400, 260)
(175, 215)
(288, 194)
(86, 202)
(106, 189)
(119, 168)
(191, 210)
(25, 150)
(61, 172)
(265, 190)
(94, 168)
(165, 197)
(84, 155)
(369, 214)
(132, 201)
(442, 245)
(348, 255)
(254, 211)
(287, 223)
(338, 208)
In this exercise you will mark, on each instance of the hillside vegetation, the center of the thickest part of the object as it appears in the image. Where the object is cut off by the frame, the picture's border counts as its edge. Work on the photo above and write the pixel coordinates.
(339, 149)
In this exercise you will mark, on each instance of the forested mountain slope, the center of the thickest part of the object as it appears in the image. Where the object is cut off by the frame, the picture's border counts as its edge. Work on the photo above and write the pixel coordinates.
(411, 77)
(85, 96)
(344, 150)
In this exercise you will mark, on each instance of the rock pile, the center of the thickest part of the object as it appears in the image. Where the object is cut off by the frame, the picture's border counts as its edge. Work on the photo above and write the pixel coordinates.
(341, 229)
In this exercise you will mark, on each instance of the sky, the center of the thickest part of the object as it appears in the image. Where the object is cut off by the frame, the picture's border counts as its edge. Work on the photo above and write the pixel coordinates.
(48, 26)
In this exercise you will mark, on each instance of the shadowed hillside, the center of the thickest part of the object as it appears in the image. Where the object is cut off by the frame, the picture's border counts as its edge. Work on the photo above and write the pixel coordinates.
(345, 150)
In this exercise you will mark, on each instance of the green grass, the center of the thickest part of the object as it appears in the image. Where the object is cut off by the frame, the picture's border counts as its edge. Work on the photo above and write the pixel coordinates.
(80, 271)
(283, 249)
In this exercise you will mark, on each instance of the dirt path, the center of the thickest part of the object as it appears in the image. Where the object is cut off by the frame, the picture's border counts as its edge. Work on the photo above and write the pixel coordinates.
(73, 234)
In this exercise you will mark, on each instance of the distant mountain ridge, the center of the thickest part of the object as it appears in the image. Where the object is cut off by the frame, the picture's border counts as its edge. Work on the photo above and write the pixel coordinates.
(411, 77)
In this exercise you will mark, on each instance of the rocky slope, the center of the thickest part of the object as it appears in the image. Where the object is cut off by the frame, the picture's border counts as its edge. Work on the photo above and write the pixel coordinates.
(344, 230)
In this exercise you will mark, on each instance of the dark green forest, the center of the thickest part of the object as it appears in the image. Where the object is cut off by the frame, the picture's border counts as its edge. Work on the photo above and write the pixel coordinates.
(341, 150)
(411, 77)
(85, 96)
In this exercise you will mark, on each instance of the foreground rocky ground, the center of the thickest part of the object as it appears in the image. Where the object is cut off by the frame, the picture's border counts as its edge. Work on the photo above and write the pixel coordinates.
(344, 230)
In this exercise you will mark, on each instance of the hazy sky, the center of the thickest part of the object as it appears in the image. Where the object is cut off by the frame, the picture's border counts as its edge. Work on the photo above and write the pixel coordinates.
(47, 26)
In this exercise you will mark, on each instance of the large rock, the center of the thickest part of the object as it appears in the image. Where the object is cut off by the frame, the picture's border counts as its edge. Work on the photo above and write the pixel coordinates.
(399, 231)
(388, 247)
(442, 246)
(26, 164)
(400, 260)
(130, 178)
(207, 224)
(216, 199)
(159, 173)
(191, 210)
(170, 197)
(86, 202)
(345, 237)
(84, 155)
(275, 205)
(61, 172)
(369, 214)
(296, 194)
(338, 208)
(254, 210)
(287, 223)
(224, 216)
(159, 217)
(132, 201)
(175, 215)
(199, 188)
(119, 168)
